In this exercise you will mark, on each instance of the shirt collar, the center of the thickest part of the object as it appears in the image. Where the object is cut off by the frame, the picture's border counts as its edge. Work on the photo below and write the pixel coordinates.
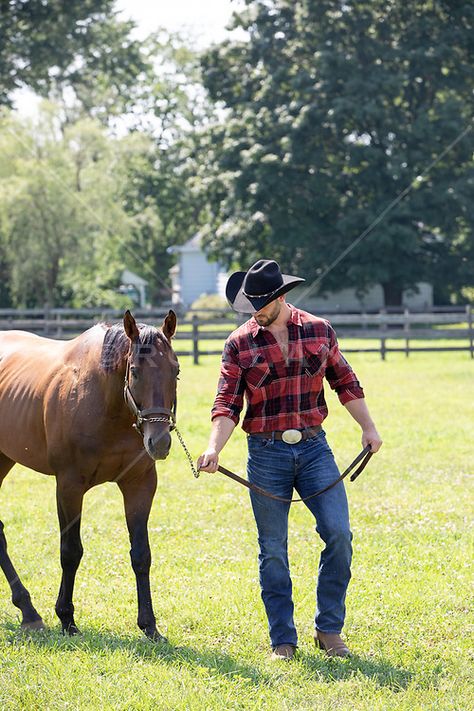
(295, 317)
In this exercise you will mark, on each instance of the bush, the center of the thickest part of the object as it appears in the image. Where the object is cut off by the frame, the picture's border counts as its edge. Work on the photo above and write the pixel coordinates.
(210, 306)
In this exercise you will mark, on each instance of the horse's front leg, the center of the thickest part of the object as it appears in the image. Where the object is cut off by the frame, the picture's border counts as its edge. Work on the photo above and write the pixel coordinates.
(138, 495)
(69, 497)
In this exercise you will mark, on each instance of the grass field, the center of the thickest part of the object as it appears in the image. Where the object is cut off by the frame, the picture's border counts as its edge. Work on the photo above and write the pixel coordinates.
(408, 604)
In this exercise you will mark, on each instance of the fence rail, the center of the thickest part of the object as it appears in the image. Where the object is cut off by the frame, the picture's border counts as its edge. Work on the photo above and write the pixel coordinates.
(383, 327)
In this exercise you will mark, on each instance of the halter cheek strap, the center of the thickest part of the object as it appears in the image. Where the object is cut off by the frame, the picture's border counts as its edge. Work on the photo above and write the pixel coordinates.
(151, 414)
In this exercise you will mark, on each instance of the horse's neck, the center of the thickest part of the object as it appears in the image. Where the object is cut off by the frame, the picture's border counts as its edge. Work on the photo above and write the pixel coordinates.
(113, 384)
(85, 353)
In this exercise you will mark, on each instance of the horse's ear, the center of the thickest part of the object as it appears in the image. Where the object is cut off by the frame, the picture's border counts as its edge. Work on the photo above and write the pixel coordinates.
(130, 326)
(169, 325)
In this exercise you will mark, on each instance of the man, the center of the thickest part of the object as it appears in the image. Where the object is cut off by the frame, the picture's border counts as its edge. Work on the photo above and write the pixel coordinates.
(277, 360)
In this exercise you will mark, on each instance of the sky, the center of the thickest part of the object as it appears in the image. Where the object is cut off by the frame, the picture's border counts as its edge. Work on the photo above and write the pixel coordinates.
(203, 21)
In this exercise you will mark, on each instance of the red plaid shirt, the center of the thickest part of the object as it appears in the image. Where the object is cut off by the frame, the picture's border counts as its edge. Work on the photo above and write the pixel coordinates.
(282, 395)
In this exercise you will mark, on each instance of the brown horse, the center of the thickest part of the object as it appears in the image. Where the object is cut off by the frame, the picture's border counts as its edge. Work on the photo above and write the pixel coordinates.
(63, 412)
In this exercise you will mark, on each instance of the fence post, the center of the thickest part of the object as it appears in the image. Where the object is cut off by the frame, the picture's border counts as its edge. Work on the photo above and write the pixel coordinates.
(59, 330)
(406, 328)
(471, 332)
(383, 324)
(46, 320)
(195, 340)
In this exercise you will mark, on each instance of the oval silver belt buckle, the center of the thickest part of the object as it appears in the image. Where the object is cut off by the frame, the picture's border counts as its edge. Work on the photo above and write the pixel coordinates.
(291, 436)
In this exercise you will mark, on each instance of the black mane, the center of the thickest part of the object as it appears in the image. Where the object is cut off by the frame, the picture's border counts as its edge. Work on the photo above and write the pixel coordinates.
(116, 344)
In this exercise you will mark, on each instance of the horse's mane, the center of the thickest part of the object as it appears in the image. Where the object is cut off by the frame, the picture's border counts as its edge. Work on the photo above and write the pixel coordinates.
(116, 344)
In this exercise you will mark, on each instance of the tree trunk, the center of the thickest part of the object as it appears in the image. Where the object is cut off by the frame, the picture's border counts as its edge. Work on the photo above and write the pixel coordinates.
(392, 293)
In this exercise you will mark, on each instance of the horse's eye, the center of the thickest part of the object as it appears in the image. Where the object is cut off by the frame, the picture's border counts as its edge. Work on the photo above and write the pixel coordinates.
(134, 372)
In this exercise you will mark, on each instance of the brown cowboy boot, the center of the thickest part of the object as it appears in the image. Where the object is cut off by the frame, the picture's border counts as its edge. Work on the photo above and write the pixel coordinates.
(331, 643)
(283, 651)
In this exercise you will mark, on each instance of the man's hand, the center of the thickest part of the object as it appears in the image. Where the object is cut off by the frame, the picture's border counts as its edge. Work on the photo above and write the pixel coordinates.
(208, 461)
(372, 437)
(222, 428)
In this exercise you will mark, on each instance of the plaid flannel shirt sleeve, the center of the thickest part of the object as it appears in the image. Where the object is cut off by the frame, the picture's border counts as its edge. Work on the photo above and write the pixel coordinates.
(339, 373)
(230, 390)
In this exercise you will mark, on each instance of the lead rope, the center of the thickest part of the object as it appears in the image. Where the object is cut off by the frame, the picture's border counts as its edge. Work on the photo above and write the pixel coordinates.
(186, 451)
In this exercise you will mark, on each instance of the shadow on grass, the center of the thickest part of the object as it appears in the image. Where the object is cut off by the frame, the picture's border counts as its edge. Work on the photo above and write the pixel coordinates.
(323, 669)
(382, 672)
(137, 648)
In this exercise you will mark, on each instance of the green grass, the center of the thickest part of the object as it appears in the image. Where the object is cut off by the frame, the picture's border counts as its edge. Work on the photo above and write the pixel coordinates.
(408, 602)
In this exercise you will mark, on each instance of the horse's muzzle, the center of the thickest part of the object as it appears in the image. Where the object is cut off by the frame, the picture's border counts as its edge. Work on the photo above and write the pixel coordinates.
(158, 447)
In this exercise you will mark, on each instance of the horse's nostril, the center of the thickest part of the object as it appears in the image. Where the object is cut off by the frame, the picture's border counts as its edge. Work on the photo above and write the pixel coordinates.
(160, 443)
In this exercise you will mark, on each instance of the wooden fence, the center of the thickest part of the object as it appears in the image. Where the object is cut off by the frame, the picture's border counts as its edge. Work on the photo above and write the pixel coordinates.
(443, 329)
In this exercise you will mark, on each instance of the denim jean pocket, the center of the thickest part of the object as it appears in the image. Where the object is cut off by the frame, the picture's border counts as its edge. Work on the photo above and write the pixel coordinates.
(258, 442)
(321, 435)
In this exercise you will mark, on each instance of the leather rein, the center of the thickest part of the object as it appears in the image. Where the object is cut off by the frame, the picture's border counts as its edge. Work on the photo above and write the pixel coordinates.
(361, 459)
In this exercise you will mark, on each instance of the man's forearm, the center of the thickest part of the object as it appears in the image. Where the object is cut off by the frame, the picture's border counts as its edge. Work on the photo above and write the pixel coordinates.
(360, 412)
(222, 428)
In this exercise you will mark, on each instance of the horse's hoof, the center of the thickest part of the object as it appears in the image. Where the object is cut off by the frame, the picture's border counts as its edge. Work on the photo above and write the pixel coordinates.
(70, 630)
(155, 636)
(35, 625)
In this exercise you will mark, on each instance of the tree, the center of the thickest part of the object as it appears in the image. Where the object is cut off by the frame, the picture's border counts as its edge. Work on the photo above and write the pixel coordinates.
(79, 203)
(79, 44)
(161, 196)
(333, 109)
(62, 225)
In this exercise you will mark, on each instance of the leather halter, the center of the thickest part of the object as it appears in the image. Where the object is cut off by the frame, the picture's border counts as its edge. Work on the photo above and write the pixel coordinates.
(151, 414)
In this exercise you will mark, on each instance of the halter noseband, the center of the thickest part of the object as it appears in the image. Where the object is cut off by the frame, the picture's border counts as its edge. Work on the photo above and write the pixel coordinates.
(152, 414)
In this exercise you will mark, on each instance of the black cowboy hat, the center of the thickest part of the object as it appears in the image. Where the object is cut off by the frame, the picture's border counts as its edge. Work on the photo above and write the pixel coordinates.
(250, 291)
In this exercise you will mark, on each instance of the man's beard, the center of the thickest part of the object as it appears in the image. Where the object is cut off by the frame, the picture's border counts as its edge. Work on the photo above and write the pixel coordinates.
(267, 320)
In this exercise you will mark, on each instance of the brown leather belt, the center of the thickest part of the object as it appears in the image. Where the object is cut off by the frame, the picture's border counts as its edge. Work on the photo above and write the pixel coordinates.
(290, 436)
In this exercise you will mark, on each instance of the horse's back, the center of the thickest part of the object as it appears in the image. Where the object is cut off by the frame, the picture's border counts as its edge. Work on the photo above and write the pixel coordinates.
(33, 370)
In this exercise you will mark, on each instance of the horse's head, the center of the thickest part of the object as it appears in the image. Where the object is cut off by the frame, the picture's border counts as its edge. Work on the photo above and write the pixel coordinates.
(150, 382)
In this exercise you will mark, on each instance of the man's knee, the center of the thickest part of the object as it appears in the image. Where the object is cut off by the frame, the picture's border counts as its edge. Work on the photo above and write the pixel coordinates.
(273, 546)
(337, 537)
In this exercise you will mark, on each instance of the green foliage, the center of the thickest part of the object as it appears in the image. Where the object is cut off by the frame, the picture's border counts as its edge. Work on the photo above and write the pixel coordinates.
(79, 44)
(209, 306)
(78, 203)
(160, 195)
(408, 604)
(332, 111)
(62, 228)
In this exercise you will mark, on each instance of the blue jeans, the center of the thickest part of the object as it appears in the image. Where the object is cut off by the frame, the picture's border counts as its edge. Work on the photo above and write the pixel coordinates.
(307, 466)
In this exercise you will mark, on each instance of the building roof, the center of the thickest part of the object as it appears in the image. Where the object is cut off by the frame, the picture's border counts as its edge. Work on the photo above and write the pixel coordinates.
(192, 245)
(129, 277)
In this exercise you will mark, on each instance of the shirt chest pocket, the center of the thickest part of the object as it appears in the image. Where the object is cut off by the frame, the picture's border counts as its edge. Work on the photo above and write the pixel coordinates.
(315, 357)
(257, 372)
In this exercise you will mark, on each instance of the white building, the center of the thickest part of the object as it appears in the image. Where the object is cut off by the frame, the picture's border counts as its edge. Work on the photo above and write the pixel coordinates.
(133, 285)
(194, 274)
